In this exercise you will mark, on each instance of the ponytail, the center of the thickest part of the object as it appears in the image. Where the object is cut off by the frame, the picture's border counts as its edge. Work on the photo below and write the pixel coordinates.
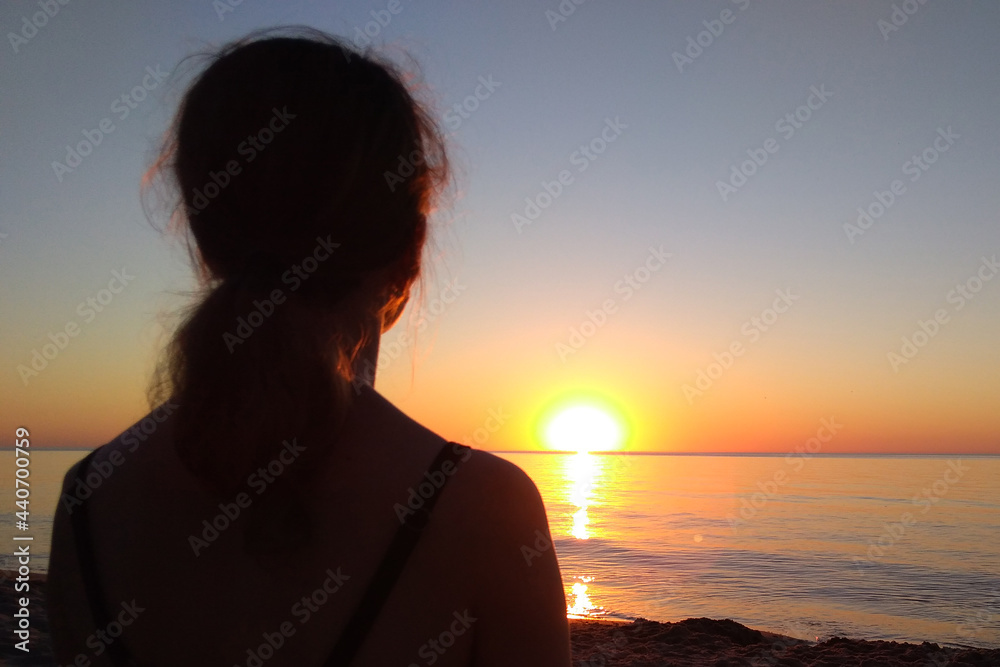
(265, 357)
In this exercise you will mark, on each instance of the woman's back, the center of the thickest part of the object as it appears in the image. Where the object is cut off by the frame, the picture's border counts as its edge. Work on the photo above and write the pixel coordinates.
(247, 528)
(181, 578)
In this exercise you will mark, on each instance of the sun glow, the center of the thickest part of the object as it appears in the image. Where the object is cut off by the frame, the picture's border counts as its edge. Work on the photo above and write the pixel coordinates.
(583, 428)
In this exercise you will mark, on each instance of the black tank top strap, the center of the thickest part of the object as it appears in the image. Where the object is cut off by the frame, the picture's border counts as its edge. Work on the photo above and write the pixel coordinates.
(353, 635)
(79, 520)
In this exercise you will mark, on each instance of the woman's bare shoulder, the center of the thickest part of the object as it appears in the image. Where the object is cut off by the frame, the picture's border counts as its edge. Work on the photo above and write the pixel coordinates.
(520, 593)
(500, 504)
(498, 478)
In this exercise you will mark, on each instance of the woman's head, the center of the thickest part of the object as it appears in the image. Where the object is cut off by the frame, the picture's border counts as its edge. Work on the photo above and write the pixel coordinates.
(285, 140)
(306, 172)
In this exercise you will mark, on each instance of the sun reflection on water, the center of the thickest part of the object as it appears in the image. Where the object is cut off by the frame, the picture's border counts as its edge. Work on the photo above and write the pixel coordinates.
(582, 606)
(583, 473)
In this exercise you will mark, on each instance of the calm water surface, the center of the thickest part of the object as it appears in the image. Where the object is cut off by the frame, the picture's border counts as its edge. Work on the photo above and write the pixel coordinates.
(903, 548)
(877, 548)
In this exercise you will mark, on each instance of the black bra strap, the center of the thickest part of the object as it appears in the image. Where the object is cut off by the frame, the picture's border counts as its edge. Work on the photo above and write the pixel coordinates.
(88, 569)
(357, 628)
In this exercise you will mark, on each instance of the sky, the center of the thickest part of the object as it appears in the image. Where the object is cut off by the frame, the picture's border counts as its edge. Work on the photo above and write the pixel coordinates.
(739, 225)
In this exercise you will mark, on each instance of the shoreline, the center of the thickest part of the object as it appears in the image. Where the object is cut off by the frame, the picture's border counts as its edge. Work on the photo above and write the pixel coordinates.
(704, 642)
(695, 642)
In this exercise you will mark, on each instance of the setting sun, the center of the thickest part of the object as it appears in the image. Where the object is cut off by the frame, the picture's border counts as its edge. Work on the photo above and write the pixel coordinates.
(583, 427)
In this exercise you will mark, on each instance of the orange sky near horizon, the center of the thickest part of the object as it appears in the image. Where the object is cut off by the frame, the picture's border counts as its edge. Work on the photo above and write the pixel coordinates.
(86, 398)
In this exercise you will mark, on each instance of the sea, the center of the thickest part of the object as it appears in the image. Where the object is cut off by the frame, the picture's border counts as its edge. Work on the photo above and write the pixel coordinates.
(903, 548)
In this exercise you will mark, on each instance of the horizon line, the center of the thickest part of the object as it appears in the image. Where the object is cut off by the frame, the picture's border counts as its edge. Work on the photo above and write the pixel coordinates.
(771, 454)
(655, 453)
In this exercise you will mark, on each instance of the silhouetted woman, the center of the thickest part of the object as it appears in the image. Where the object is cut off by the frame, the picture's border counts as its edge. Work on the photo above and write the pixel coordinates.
(274, 509)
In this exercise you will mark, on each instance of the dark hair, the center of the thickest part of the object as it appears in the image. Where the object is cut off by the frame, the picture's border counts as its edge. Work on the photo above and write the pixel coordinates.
(290, 151)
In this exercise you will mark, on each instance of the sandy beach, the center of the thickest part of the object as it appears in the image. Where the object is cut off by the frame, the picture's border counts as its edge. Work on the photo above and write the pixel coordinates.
(703, 642)
(698, 642)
